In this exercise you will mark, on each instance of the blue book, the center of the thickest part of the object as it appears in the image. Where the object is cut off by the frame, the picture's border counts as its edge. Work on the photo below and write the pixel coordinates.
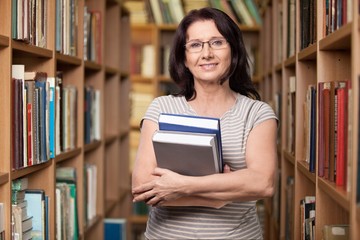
(196, 124)
(51, 82)
(114, 228)
(37, 209)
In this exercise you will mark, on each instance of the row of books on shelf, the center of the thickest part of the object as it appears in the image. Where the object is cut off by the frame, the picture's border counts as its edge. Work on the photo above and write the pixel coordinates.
(329, 103)
(172, 11)
(30, 207)
(66, 28)
(30, 19)
(307, 216)
(45, 116)
(30, 211)
(336, 14)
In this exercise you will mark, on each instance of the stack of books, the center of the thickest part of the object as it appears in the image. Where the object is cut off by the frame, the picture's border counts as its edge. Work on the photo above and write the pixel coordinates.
(188, 145)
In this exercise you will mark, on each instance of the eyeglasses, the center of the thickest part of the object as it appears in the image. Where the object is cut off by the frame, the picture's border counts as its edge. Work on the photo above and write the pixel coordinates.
(197, 46)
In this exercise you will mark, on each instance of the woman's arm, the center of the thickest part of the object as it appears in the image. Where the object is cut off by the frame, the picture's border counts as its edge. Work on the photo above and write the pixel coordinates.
(144, 175)
(164, 187)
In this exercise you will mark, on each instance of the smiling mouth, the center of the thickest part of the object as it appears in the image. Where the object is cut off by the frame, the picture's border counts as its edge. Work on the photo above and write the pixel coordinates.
(208, 66)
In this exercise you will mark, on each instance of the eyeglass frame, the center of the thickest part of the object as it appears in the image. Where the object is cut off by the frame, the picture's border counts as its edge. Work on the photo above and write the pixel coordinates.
(208, 42)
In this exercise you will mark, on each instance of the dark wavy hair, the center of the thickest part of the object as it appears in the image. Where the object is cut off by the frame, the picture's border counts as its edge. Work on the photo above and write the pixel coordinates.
(239, 71)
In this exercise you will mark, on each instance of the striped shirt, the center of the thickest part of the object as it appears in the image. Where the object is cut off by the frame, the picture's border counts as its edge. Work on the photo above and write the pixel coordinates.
(237, 220)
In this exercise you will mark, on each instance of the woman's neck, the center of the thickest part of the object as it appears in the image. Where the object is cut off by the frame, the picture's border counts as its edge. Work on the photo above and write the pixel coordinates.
(213, 103)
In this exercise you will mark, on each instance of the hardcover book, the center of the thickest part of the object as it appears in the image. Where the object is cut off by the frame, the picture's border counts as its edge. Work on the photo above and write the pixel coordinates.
(114, 228)
(37, 209)
(196, 124)
(193, 154)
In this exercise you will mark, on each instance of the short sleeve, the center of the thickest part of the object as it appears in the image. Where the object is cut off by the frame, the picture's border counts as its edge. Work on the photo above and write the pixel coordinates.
(153, 111)
(264, 112)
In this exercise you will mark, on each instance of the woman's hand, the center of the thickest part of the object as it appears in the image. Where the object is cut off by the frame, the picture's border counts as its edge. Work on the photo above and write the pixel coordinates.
(166, 186)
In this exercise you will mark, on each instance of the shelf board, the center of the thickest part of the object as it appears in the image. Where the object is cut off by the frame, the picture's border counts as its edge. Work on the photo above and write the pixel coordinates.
(110, 205)
(28, 170)
(167, 27)
(92, 223)
(141, 79)
(245, 28)
(4, 178)
(289, 157)
(92, 146)
(338, 194)
(256, 78)
(4, 41)
(338, 40)
(308, 53)
(303, 166)
(143, 26)
(110, 138)
(138, 219)
(165, 78)
(111, 70)
(93, 66)
(290, 62)
(278, 67)
(124, 75)
(67, 59)
(30, 50)
(124, 132)
(67, 155)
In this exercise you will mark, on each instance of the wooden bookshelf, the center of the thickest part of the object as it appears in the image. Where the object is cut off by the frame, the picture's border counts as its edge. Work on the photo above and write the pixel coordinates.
(330, 57)
(108, 74)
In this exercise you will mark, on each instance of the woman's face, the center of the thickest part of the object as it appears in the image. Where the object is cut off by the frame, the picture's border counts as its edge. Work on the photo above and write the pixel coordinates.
(211, 63)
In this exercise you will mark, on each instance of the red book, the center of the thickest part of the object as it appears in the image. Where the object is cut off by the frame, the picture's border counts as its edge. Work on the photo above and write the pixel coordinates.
(342, 128)
(326, 125)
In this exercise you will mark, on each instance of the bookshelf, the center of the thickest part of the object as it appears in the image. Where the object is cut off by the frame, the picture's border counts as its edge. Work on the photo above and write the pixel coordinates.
(323, 55)
(106, 71)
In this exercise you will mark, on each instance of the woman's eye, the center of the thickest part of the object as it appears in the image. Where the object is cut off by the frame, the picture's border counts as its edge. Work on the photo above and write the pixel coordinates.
(195, 45)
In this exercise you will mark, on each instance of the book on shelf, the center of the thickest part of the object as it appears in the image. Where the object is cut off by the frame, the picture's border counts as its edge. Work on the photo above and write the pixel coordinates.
(307, 217)
(289, 207)
(2, 221)
(29, 22)
(310, 127)
(38, 209)
(92, 114)
(336, 232)
(22, 220)
(19, 136)
(114, 228)
(22, 223)
(333, 131)
(193, 154)
(66, 20)
(90, 191)
(20, 184)
(67, 223)
(342, 133)
(196, 124)
(291, 116)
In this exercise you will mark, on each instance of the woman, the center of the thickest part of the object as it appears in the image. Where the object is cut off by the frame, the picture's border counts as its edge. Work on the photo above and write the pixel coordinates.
(209, 63)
